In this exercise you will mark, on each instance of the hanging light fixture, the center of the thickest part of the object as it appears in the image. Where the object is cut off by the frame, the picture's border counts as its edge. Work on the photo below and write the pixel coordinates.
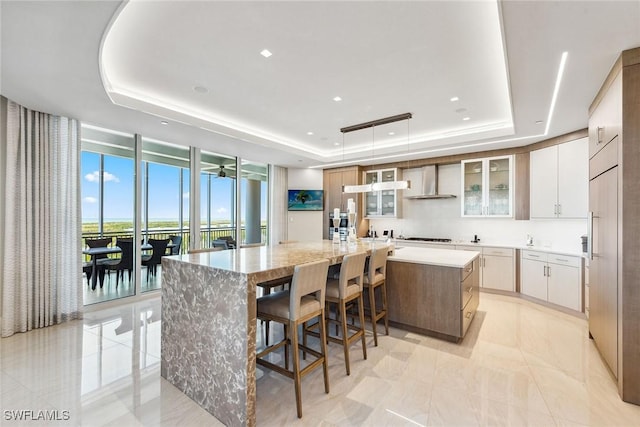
(376, 186)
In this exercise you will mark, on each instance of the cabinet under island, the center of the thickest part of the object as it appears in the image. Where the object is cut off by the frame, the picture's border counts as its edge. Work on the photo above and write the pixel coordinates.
(433, 291)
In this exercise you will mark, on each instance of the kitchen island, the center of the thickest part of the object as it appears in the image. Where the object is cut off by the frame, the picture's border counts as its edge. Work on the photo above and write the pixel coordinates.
(208, 342)
(433, 291)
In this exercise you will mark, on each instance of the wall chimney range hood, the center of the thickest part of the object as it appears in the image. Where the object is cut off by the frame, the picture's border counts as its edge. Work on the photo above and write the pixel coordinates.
(430, 185)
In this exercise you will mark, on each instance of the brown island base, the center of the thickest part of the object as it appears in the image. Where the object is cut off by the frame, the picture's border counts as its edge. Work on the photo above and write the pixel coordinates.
(433, 292)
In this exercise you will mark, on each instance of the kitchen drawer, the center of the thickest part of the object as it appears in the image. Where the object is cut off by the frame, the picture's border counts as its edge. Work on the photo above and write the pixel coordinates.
(469, 248)
(533, 255)
(466, 291)
(497, 251)
(572, 261)
(468, 269)
(469, 312)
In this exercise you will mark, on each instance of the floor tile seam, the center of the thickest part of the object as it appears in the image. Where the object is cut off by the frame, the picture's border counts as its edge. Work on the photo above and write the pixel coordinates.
(17, 380)
(539, 388)
(507, 403)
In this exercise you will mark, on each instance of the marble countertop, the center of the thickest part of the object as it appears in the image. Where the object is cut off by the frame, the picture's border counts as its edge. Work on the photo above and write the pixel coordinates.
(279, 259)
(432, 256)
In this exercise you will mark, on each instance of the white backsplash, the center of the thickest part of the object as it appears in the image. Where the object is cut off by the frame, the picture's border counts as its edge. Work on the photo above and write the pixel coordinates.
(442, 218)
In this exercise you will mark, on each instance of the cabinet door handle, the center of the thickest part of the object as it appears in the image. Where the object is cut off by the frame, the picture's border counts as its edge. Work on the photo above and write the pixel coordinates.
(555, 209)
(467, 314)
(600, 132)
(544, 270)
(548, 271)
(559, 209)
(590, 236)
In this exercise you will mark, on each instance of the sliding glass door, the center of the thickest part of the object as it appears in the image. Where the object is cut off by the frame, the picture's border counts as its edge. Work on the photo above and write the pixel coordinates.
(164, 188)
(108, 187)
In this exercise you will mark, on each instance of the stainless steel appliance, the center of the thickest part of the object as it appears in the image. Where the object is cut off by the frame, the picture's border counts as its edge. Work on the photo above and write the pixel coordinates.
(343, 229)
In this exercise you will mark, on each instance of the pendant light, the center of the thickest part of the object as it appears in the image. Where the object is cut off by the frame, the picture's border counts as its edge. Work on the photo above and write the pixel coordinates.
(377, 186)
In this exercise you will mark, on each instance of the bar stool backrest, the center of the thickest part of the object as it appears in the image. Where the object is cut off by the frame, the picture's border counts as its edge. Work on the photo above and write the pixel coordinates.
(378, 264)
(351, 271)
(309, 278)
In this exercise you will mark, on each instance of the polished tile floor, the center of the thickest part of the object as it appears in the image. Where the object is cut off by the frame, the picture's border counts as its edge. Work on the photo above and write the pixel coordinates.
(520, 364)
(125, 287)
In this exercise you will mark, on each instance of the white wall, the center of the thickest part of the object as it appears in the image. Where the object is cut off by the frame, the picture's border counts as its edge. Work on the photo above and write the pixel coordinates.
(304, 226)
(441, 218)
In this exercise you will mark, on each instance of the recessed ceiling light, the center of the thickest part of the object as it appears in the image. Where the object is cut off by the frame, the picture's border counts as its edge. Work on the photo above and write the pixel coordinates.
(337, 98)
(466, 118)
(454, 99)
(336, 143)
(539, 122)
(392, 133)
(200, 89)
(266, 53)
(164, 122)
(309, 133)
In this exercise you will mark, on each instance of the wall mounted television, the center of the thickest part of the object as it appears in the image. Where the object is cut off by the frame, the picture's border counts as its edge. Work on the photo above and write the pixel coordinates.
(305, 200)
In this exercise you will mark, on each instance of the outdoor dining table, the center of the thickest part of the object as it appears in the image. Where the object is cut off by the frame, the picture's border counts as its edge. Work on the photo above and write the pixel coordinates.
(95, 252)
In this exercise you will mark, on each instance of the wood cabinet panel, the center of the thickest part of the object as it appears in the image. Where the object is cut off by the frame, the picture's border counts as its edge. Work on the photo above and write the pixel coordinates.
(431, 298)
(606, 119)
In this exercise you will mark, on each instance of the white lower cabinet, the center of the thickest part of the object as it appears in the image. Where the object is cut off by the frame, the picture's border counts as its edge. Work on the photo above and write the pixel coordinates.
(533, 275)
(497, 267)
(553, 278)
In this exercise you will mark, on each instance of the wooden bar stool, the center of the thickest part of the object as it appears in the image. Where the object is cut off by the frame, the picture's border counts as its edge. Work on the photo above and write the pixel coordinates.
(341, 292)
(374, 279)
(267, 287)
(303, 301)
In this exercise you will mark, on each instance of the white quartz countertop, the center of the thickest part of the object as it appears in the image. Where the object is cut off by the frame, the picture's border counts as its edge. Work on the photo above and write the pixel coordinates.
(445, 245)
(432, 256)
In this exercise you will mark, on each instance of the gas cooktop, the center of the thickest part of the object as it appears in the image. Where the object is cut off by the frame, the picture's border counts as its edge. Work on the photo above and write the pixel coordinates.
(429, 239)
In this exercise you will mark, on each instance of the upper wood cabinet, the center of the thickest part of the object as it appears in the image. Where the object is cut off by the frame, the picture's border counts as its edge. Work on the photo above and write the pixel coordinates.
(487, 187)
(559, 180)
(382, 203)
(333, 180)
(605, 121)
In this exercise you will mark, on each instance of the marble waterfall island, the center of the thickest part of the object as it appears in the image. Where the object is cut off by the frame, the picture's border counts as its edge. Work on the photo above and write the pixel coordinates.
(208, 342)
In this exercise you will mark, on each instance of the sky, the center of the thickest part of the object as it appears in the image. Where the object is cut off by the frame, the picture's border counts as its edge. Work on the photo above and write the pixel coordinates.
(164, 191)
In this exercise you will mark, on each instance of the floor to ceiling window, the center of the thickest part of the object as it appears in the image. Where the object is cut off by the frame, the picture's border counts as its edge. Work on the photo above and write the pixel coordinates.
(162, 194)
(108, 186)
(217, 199)
(165, 185)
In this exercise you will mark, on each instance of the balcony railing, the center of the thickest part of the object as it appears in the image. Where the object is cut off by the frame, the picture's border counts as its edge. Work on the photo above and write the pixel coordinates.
(206, 235)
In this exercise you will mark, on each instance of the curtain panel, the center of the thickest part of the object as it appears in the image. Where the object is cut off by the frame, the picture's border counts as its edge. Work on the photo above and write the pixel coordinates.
(42, 275)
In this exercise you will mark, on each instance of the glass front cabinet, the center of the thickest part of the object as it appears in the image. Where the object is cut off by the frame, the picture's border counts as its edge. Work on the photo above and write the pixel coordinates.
(487, 186)
(383, 203)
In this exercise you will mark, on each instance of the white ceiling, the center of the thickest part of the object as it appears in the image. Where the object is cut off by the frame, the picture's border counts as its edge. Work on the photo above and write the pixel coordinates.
(129, 67)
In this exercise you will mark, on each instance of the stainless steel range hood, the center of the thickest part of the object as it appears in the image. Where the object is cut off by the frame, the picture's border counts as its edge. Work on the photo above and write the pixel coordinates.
(430, 185)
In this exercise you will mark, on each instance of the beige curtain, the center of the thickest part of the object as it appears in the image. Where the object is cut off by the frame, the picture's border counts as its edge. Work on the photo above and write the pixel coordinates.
(278, 179)
(42, 274)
